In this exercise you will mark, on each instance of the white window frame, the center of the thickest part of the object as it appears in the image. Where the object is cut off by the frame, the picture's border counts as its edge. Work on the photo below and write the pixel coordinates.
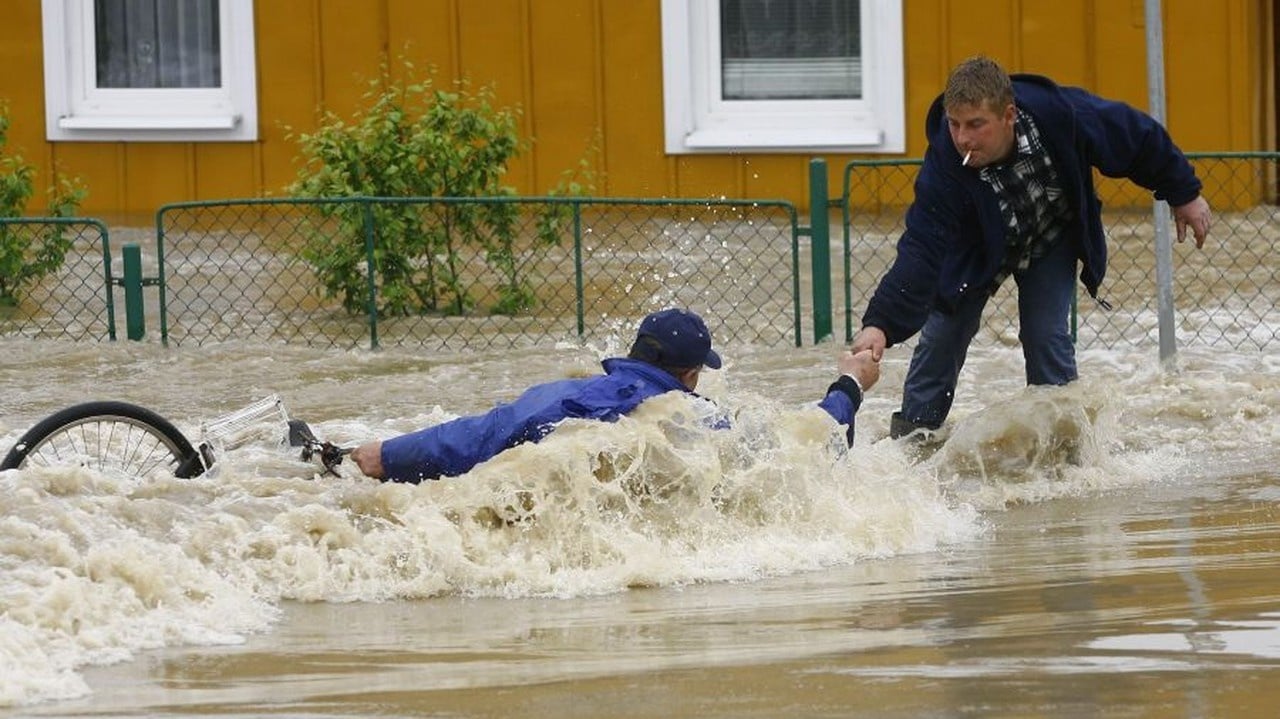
(699, 121)
(77, 110)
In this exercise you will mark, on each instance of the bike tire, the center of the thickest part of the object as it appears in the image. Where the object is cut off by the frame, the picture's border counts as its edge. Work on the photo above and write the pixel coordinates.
(106, 435)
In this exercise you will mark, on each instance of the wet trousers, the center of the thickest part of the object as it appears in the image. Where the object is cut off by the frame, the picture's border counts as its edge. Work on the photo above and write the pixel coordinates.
(1045, 293)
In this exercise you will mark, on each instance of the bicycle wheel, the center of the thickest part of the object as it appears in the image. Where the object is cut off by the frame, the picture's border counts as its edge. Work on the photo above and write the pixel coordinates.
(106, 435)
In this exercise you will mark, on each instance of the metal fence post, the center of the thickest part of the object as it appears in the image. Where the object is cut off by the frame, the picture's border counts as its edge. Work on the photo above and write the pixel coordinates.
(579, 293)
(160, 275)
(370, 241)
(820, 244)
(135, 319)
(108, 282)
(1164, 243)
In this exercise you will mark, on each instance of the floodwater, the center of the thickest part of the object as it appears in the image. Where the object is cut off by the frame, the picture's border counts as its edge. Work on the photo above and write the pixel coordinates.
(1111, 548)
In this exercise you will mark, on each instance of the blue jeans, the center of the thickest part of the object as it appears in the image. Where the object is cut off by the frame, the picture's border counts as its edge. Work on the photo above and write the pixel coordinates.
(1045, 290)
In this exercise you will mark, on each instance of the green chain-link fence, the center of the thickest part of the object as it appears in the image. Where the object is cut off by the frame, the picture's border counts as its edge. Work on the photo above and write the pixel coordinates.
(73, 302)
(581, 268)
(587, 268)
(1227, 293)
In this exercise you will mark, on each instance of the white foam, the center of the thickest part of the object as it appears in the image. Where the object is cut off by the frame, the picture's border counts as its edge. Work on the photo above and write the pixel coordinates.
(94, 568)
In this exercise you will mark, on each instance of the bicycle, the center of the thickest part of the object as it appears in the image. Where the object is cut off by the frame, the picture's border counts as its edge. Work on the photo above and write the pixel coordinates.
(114, 435)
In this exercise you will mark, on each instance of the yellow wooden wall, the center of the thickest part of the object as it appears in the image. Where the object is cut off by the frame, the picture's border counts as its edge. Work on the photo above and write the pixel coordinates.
(589, 73)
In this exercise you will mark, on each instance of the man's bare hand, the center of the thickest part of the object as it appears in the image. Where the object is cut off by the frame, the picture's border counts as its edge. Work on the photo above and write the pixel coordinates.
(368, 457)
(861, 365)
(870, 338)
(1196, 215)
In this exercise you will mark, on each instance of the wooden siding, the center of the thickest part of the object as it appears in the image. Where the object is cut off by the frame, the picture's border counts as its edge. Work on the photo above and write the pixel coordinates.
(587, 75)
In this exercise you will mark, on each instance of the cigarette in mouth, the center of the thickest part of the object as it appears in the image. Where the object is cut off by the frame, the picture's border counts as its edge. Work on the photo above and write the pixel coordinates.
(965, 161)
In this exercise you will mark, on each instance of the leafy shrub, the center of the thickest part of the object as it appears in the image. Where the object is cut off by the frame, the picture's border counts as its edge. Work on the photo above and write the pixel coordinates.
(26, 257)
(415, 140)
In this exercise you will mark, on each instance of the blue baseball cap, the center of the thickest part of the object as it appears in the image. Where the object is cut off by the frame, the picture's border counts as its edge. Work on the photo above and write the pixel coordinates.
(683, 337)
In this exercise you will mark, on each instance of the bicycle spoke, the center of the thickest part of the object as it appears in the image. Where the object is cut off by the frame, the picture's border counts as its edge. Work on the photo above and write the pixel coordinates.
(106, 435)
(105, 444)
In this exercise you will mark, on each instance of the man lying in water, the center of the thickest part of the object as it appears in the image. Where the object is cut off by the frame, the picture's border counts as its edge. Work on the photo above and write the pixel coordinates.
(671, 348)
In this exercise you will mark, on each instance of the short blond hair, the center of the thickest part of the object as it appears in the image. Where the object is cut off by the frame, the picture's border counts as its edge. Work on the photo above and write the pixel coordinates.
(978, 81)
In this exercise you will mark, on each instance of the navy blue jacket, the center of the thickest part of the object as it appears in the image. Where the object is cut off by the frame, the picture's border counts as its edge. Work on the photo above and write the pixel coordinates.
(954, 241)
(454, 447)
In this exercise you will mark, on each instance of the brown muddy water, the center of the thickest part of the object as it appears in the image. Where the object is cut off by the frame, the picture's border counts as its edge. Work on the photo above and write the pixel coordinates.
(1111, 548)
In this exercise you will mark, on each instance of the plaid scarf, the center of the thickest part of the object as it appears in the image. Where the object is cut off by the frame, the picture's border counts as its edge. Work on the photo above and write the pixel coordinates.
(1034, 207)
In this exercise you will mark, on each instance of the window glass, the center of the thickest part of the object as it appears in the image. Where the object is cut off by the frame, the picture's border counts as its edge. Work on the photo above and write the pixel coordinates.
(157, 43)
(772, 49)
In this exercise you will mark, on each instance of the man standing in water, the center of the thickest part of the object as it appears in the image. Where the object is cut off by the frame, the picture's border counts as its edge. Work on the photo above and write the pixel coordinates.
(670, 350)
(1006, 189)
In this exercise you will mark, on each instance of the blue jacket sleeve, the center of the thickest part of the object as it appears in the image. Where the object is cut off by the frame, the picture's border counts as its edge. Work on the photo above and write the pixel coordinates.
(454, 447)
(450, 448)
(843, 399)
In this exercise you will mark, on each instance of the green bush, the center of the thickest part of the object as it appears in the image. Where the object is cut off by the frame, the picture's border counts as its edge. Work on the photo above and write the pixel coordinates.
(27, 256)
(413, 139)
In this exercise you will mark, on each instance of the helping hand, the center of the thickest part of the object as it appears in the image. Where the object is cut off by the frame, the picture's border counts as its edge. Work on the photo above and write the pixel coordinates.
(863, 365)
(870, 338)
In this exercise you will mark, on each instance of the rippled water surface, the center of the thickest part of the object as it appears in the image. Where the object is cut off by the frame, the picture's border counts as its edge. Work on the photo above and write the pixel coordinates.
(1105, 549)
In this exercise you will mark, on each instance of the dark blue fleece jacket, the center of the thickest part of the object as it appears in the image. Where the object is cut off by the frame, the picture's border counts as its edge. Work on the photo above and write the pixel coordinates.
(954, 241)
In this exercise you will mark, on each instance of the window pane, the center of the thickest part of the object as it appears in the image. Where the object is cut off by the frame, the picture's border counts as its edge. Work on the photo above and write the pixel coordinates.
(790, 49)
(157, 43)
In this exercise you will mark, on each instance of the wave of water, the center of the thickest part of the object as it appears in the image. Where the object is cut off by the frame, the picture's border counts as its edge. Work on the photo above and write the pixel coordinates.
(96, 567)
